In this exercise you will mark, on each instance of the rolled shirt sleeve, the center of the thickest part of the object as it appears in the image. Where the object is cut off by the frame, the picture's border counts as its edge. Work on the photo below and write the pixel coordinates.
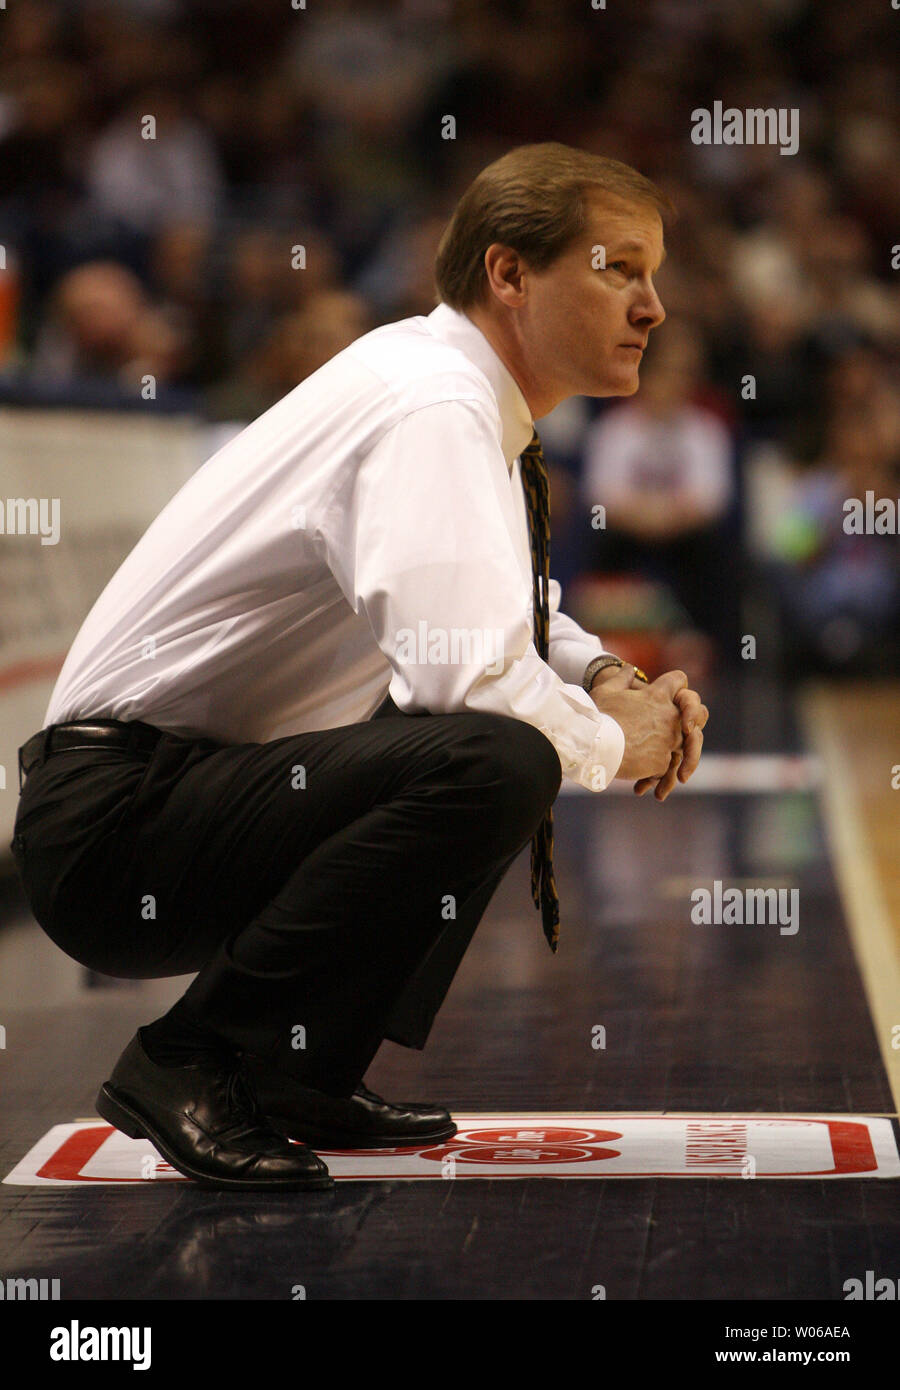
(424, 549)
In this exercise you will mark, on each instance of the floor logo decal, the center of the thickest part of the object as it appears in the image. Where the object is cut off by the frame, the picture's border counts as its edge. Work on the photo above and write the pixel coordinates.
(555, 1145)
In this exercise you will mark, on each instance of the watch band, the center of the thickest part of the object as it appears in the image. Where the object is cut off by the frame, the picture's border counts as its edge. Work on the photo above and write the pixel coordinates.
(600, 663)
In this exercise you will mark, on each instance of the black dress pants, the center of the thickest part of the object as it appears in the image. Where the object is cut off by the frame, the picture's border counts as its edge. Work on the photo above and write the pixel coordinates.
(325, 886)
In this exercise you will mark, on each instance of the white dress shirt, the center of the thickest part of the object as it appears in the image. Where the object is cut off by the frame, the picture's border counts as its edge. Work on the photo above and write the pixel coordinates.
(367, 533)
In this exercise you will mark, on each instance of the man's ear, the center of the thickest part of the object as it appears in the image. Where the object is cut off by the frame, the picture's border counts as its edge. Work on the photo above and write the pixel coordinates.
(505, 271)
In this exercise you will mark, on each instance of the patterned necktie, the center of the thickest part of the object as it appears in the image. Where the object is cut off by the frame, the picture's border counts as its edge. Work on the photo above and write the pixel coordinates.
(537, 496)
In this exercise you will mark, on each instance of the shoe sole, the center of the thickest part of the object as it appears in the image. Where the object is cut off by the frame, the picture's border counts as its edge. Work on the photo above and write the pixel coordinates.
(112, 1108)
(322, 1139)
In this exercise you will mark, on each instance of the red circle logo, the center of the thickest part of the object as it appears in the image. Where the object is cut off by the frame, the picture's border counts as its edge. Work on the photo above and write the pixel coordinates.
(523, 1146)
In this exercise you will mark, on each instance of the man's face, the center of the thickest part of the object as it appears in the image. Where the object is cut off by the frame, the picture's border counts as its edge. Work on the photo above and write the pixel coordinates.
(584, 328)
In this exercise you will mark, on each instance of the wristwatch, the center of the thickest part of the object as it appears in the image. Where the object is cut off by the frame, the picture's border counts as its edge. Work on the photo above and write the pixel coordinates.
(600, 663)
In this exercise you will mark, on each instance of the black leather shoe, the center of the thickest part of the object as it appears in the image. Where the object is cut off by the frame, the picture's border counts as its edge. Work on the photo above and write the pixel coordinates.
(360, 1121)
(204, 1122)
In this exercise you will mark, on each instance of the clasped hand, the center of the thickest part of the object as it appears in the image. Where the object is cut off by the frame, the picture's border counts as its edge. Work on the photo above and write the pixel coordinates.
(663, 724)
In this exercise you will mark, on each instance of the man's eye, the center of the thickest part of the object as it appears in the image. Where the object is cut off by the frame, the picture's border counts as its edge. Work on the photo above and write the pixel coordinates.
(614, 264)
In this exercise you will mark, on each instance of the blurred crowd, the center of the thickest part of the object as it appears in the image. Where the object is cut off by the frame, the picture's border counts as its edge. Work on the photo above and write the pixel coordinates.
(299, 175)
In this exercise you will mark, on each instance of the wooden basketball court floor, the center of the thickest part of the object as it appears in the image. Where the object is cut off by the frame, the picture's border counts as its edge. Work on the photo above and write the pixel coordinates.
(704, 1019)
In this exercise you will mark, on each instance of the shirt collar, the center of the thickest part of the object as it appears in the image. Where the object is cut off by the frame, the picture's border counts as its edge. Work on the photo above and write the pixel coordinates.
(459, 331)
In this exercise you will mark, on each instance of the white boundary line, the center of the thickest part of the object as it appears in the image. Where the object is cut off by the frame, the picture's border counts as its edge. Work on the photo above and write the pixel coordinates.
(749, 774)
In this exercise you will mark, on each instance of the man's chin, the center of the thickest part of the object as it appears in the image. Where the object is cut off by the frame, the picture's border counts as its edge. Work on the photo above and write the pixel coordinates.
(625, 386)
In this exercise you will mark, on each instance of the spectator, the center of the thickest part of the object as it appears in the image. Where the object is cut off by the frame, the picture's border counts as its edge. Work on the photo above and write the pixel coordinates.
(102, 327)
(839, 591)
(662, 467)
(147, 175)
(297, 345)
(179, 263)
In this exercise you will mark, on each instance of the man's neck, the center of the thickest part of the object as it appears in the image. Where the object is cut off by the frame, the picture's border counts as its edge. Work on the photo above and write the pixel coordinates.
(508, 348)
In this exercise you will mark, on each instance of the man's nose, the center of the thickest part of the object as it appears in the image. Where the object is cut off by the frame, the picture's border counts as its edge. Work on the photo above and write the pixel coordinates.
(648, 310)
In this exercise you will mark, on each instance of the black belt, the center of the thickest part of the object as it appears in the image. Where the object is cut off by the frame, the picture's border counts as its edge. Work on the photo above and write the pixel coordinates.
(88, 733)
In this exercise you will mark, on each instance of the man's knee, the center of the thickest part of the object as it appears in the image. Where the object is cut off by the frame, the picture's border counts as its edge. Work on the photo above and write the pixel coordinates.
(531, 761)
(518, 767)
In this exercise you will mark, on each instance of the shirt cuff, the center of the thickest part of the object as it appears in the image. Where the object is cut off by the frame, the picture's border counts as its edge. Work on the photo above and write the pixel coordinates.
(595, 764)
